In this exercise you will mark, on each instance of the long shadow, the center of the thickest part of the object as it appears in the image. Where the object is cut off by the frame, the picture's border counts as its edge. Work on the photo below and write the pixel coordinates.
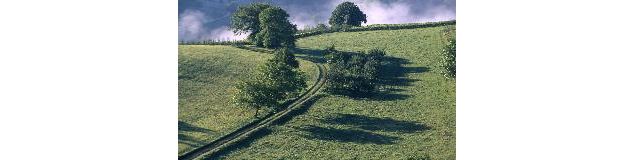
(393, 74)
(266, 131)
(313, 55)
(376, 124)
(185, 127)
(346, 135)
(242, 144)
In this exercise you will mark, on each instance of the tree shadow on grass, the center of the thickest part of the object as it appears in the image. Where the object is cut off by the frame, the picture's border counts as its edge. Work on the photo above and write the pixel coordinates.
(266, 131)
(360, 129)
(242, 144)
(346, 135)
(393, 74)
(185, 127)
(376, 124)
(312, 55)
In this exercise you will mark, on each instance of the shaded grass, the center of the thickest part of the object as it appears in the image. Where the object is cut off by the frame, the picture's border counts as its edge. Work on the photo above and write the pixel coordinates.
(413, 116)
(207, 76)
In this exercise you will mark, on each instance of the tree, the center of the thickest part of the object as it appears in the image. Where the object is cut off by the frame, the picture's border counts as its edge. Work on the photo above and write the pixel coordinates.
(276, 30)
(285, 55)
(256, 94)
(274, 82)
(347, 13)
(246, 20)
(353, 74)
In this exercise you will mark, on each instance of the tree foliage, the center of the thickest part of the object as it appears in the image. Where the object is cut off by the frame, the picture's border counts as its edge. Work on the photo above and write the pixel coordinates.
(275, 82)
(276, 30)
(347, 13)
(353, 74)
(246, 19)
(285, 55)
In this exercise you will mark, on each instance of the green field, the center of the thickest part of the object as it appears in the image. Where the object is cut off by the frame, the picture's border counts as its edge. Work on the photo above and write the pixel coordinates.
(207, 75)
(412, 117)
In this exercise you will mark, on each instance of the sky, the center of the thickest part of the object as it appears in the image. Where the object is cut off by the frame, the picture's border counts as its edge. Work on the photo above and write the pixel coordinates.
(209, 19)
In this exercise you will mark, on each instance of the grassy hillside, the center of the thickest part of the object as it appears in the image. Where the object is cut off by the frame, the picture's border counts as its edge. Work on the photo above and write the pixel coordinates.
(413, 116)
(207, 75)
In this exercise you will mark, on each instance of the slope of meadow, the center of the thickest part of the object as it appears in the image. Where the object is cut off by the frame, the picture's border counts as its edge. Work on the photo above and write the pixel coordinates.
(412, 117)
(207, 76)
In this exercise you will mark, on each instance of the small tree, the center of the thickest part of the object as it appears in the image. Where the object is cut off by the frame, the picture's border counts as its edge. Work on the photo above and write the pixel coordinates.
(449, 59)
(275, 82)
(276, 30)
(347, 13)
(246, 20)
(256, 94)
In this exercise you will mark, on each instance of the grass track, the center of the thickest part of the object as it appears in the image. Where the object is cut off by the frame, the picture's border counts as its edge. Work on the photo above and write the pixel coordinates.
(207, 75)
(225, 142)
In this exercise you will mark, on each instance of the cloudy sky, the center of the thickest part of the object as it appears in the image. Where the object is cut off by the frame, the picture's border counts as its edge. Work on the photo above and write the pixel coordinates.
(209, 19)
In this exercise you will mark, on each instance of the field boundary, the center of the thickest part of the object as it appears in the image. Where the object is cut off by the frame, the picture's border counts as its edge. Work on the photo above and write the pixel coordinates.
(372, 27)
(249, 129)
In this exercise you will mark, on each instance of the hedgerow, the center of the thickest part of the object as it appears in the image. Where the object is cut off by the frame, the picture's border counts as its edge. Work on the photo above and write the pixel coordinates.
(323, 29)
(373, 27)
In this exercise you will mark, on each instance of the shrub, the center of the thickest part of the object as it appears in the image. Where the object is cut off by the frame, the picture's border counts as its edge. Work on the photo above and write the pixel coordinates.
(449, 59)
(353, 74)
(285, 55)
(276, 30)
(347, 13)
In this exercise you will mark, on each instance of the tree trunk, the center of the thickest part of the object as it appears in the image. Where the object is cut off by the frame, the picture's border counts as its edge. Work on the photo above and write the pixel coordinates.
(256, 115)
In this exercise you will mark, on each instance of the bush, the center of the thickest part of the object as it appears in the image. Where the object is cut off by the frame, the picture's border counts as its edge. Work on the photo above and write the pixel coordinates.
(285, 55)
(353, 74)
(347, 13)
(276, 30)
(449, 59)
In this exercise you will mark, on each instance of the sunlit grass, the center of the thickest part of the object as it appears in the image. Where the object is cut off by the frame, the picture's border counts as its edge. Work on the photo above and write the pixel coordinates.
(207, 76)
(413, 117)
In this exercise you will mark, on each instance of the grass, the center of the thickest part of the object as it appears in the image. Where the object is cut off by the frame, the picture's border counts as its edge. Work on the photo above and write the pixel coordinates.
(413, 116)
(207, 76)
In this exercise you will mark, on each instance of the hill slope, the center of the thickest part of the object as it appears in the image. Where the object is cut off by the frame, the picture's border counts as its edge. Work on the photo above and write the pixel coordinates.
(207, 75)
(413, 117)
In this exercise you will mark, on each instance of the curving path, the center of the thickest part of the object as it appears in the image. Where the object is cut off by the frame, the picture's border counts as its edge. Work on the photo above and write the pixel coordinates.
(247, 130)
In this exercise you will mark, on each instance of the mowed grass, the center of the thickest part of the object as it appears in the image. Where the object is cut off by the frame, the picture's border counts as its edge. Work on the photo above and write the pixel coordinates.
(207, 77)
(412, 118)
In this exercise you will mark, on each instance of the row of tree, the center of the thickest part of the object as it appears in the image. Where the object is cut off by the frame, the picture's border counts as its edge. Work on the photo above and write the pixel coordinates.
(268, 26)
(279, 79)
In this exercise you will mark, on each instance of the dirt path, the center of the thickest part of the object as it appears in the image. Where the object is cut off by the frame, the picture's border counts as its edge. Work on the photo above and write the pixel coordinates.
(247, 130)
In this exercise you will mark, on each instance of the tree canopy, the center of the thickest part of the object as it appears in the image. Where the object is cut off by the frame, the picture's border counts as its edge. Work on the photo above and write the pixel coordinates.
(246, 20)
(276, 29)
(347, 13)
(276, 81)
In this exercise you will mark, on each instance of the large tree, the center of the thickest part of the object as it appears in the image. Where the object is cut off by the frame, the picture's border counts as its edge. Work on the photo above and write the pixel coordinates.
(245, 19)
(347, 13)
(276, 29)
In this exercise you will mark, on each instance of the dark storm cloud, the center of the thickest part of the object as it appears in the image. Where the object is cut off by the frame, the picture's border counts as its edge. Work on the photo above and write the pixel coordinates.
(209, 19)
